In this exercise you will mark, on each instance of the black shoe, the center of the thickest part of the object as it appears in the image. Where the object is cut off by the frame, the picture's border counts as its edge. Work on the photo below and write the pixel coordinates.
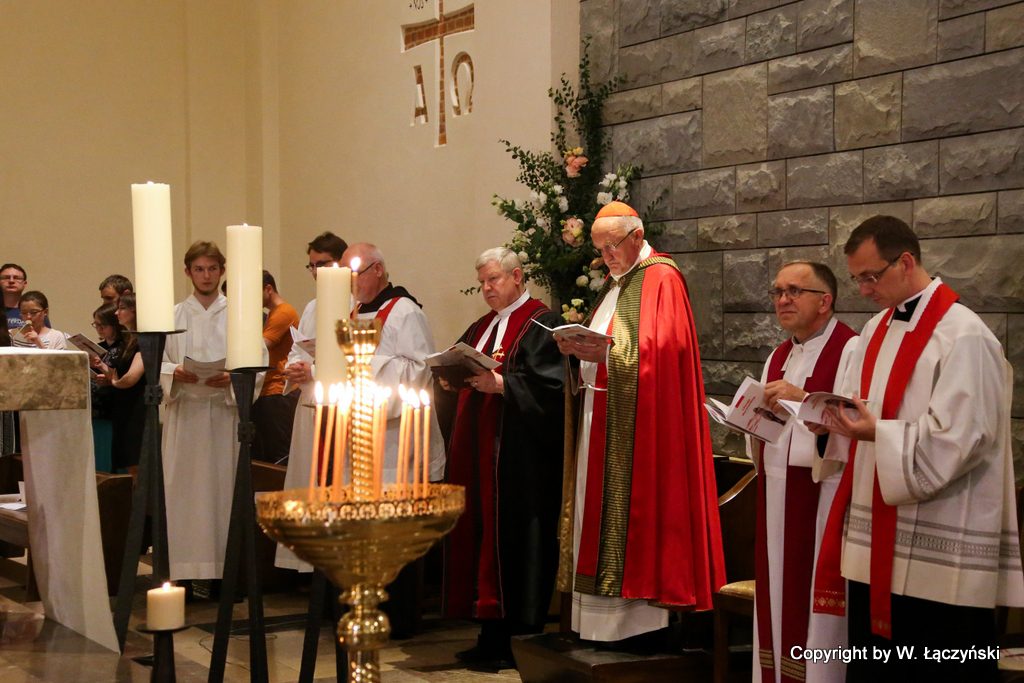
(493, 665)
(475, 655)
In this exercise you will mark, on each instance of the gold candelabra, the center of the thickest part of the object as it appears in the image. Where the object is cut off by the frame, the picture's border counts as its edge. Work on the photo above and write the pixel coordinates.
(361, 534)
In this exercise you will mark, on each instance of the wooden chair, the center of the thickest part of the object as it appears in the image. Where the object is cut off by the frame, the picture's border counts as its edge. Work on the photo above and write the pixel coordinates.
(737, 511)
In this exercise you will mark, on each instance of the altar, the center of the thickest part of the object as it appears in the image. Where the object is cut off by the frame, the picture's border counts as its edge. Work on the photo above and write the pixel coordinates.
(51, 391)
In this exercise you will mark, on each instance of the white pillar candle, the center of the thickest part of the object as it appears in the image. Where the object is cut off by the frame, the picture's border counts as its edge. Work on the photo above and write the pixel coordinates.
(333, 303)
(154, 256)
(165, 608)
(245, 296)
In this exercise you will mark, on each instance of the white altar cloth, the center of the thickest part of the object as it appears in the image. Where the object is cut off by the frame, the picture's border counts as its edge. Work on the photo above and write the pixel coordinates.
(60, 488)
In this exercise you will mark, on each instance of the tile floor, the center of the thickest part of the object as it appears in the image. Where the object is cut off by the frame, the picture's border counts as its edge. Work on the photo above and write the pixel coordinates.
(33, 649)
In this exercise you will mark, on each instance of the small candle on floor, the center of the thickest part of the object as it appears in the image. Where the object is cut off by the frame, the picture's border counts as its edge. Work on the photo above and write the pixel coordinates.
(165, 608)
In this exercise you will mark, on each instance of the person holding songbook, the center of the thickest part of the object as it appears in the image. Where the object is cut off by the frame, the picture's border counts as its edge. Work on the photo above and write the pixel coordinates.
(506, 449)
(924, 524)
(795, 486)
(36, 333)
(642, 514)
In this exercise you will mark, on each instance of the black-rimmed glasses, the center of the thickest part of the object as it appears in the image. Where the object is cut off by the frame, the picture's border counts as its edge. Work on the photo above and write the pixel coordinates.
(792, 292)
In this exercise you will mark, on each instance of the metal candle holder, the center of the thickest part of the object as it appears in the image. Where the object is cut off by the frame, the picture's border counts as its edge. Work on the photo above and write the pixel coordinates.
(359, 541)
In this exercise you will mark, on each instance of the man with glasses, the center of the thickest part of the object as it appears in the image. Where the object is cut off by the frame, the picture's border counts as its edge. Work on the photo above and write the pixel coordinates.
(796, 486)
(324, 251)
(13, 281)
(924, 524)
(644, 514)
(506, 449)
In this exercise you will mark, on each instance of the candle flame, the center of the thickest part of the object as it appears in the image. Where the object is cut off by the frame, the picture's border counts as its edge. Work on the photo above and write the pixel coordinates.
(424, 397)
(167, 585)
(355, 263)
(414, 400)
(333, 393)
(318, 392)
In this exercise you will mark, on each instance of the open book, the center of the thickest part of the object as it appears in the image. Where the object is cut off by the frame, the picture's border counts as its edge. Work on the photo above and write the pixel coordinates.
(749, 413)
(575, 332)
(458, 363)
(83, 343)
(204, 369)
(814, 407)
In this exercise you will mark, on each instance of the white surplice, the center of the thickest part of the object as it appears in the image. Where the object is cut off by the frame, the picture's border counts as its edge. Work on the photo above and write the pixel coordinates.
(200, 445)
(797, 446)
(945, 462)
(599, 617)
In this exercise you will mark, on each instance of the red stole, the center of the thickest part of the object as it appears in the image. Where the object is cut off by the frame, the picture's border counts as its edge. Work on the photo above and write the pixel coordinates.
(382, 313)
(829, 585)
(472, 558)
(801, 508)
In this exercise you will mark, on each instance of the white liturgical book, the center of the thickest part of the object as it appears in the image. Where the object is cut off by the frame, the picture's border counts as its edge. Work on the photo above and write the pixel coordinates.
(204, 369)
(815, 407)
(749, 413)
(307, 344)
(575, 332)
(83, 343)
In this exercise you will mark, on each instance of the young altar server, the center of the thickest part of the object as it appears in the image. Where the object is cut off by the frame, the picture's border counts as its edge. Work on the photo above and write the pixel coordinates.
(795, 486)
(924, 523)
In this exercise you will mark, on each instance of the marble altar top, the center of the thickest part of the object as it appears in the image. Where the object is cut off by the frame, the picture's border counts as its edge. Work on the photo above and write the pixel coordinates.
(33, 379)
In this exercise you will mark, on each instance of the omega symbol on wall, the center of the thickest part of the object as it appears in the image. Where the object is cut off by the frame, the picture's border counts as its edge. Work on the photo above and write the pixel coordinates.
(455, 81)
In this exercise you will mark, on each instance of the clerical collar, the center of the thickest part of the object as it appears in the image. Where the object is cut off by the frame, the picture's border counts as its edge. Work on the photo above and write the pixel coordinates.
(645, 253)
(385, 295)
(820, 333)
(508, 310)
(905, 310)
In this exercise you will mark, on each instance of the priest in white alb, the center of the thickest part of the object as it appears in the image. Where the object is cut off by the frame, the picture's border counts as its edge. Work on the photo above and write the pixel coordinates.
(795, 486)
(924, 524)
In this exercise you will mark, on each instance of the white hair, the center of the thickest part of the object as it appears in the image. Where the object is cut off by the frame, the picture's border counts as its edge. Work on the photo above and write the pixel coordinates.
(503, 256)
(627, 223)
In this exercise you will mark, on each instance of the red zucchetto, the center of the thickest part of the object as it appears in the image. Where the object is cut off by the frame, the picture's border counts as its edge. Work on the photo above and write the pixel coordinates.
(612, 209)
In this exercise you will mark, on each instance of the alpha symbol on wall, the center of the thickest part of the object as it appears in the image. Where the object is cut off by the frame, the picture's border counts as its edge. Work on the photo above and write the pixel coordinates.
(459, 21)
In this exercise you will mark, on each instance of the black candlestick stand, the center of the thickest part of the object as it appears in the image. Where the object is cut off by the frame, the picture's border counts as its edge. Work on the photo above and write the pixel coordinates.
(163, 653)
(319, 592)
(148, 496)
(242, 544)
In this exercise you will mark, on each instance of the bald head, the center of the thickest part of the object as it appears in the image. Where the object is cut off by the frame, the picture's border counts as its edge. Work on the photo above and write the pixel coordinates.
(373, 274)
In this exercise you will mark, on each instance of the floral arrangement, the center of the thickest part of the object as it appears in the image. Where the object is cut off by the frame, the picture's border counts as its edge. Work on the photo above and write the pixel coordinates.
(552, 233)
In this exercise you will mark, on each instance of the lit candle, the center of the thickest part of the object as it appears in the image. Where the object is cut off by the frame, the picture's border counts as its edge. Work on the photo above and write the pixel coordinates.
(165, 608)
(379, 442)
(333, 303)
(154, 270)
(417, 453)
(245, 296)
(318, 393)
(425, 399)
(403, 433)
(341, 438)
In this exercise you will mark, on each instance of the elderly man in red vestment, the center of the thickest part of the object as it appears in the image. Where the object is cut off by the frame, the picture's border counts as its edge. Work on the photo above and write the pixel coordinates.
(645, 508)
(506, 449)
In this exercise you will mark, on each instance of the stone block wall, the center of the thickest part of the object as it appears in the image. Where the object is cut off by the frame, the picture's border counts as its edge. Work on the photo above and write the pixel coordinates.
(771, 129)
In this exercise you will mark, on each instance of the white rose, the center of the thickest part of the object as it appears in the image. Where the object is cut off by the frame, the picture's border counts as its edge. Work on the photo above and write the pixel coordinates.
(557, 189)
(582, 281)
(542, 198)
(604, 197)
(596, 275)
(563, 204)
(622, 183)
(531, 231)
(534, 196)
(542, 222)
(596, 284)
(523, 256)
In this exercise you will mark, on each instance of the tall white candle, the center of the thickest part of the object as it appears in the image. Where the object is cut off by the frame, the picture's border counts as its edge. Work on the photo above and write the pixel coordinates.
(165, 608)
(154, 256)
(333, 303)
(245, 296)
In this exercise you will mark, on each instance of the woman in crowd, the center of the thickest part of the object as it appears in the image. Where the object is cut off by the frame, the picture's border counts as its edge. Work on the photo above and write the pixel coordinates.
(112, 339)
(128, 379)
(34, 309)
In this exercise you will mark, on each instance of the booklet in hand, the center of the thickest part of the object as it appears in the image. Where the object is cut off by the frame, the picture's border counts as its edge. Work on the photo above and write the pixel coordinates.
(204, 369)
(576, 332)
(749, 413)
(815, 407)
(458, 363)
(83, 343)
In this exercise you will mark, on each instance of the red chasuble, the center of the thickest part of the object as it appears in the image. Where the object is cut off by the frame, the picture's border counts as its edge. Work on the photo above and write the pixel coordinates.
(801, 509)
(650, 521)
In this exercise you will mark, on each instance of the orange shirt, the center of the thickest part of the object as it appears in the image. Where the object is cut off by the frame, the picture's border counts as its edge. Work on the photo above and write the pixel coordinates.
(278, 338)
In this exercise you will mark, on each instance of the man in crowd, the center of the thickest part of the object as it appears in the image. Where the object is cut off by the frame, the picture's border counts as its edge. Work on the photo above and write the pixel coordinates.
(324, 251)
(112, 287)
(274, 410)
(930, 545)
(13, 281)
(506, 448)
(200, 424)
(644, 513)
(795, 486)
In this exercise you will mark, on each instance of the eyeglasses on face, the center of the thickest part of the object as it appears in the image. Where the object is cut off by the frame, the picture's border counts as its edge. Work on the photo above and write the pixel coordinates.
(13, 278)
(872, 277)
(793, 293)
(612, 248)
(99, 325)
(32, 314)
(366, 267)
(319, 264)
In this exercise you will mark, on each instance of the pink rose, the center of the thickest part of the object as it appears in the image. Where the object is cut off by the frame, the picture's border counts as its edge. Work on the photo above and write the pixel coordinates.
(573, 164)
(573, 316)
(573, 240)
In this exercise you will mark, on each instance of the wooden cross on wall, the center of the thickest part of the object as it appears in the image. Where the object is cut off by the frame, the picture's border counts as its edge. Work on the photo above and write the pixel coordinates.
(459, 21)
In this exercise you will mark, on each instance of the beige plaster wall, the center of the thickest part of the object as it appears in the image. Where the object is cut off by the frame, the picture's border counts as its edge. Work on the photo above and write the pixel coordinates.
(353, 161)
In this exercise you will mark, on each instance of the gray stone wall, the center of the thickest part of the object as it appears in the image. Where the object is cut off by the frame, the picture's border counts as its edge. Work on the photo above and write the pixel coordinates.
(770, 129)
